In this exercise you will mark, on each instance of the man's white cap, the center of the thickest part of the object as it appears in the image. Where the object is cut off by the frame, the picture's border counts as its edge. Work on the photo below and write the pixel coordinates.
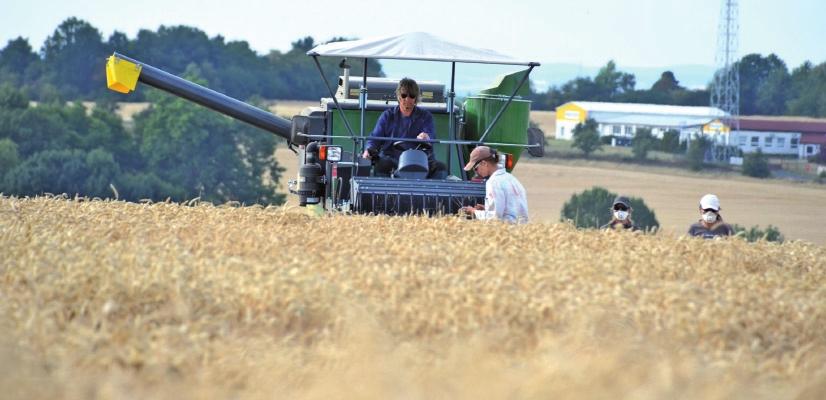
(710, 201)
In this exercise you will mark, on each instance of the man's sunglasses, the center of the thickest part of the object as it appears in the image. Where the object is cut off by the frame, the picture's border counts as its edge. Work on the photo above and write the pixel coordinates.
(710, 210)
(477, 165)
(405, 95)
(620, 208)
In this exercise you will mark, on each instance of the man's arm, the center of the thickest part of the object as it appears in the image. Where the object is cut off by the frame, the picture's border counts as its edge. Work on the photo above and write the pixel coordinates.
(489, 212)
(427, 125)
(379, 131)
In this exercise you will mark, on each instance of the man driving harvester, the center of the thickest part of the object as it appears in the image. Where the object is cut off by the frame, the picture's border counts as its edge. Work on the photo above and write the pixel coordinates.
(407, 121)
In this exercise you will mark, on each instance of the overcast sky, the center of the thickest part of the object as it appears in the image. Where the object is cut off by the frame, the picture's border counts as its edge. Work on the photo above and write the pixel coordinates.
(644, 33)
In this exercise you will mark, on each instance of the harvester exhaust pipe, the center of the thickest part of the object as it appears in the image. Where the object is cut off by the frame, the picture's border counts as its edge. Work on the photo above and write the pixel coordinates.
(123, 73)
(310, 178)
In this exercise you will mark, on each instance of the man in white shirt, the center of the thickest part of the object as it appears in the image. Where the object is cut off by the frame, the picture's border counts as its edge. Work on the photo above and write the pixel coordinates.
(505, 197)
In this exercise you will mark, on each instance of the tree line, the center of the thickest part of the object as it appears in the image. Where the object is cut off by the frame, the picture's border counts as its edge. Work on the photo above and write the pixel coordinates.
(177, 151)
(70, 64)
(767, 87)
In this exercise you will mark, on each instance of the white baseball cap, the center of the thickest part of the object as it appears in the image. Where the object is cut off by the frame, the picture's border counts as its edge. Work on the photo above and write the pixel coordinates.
(710, 201)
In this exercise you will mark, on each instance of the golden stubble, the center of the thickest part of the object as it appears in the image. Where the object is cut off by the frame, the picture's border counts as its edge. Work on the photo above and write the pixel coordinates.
(108, 299)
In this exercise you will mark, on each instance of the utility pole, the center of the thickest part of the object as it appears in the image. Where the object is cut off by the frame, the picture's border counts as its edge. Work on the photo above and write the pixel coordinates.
(725, 91)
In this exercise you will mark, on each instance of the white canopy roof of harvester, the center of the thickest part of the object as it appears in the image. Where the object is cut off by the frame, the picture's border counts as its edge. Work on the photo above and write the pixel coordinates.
(414, 46)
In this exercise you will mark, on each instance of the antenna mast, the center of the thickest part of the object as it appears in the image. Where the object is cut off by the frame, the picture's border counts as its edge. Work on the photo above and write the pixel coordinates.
(725, 91)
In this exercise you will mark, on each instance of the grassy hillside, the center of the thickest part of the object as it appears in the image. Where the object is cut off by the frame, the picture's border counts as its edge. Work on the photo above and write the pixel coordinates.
(104, 299)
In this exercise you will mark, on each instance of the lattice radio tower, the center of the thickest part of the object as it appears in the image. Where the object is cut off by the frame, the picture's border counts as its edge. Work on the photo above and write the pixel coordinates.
(725, 91)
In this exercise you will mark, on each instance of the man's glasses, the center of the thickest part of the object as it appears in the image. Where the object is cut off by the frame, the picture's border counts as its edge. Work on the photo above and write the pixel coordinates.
(620, 208)
(710, 210)
(476, 165)
(405, 95)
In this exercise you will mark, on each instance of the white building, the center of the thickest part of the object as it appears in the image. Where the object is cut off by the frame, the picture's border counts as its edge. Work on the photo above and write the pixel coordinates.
(621, 120)
(790, 136)
(801, 137)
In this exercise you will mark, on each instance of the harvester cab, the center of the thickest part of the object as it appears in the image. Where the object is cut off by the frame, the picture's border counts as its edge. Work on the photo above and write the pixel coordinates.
(330, 138)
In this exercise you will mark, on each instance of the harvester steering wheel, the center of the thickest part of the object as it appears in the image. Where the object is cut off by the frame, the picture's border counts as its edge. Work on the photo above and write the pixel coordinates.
(399, 145)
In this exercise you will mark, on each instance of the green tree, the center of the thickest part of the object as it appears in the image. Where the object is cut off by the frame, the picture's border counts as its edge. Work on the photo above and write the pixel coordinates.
(667, 83)
(756, 165)
(592, 209)
(73, 57)
(611, 82)
(103, 171)
(15, 59)
(37, 129)
(762, 84)
(11, 99)
(670, 142)
(808, 91)
(696, 154)
(773, 93)
(586, 137)
(59, 152)
(9, 157)
(136, 186)
(642, 143)
(206, 154)
(49, 171)
(301, 73)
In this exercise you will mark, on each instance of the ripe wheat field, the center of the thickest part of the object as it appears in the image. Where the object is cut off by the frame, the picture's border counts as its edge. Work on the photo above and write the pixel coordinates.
(115, 300)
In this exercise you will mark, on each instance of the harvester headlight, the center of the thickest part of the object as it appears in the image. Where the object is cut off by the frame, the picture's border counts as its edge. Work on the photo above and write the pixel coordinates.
(329, 153)
(506, 161)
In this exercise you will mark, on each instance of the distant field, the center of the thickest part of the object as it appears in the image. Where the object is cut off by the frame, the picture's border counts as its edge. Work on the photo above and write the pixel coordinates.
(797, 209)
(288, 108)
(115, 300)
(546, 121)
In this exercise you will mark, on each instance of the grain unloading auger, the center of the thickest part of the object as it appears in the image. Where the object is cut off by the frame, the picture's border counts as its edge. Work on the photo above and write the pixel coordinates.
(331, 173)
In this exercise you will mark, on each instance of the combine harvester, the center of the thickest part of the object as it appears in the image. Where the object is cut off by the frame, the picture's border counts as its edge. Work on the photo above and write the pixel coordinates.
(332, 175)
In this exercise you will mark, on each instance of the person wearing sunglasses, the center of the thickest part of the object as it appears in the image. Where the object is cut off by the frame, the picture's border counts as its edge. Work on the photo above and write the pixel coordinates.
(505, 197)
(404, 121)
(621, 216)
(711, 223)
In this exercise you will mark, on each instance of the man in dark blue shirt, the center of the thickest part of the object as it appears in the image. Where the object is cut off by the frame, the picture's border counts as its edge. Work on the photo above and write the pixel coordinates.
(405, 121)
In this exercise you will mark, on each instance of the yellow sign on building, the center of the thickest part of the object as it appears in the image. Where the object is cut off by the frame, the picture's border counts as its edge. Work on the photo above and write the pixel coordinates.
(571, 112)
(717, 127)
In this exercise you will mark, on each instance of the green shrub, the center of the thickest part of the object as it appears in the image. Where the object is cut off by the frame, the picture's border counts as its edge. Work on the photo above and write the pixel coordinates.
(696, 153)
(643, 142)
(753, 234)
(586, 137)
(670, 142)
(756, 165)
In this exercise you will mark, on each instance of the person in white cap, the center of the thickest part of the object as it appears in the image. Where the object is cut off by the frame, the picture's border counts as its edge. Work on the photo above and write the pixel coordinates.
(711, 223)
(505, 197)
